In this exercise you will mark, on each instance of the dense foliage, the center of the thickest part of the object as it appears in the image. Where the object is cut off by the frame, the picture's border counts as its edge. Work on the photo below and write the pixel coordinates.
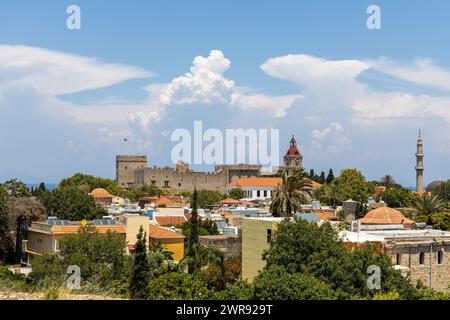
(236, 193)
(72, 203)
(5, 239)
(16, 188)
(301, 247)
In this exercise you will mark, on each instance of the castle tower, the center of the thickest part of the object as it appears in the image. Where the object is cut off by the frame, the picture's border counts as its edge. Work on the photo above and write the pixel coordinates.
(293, 159)
(419, 164)
(125, 167)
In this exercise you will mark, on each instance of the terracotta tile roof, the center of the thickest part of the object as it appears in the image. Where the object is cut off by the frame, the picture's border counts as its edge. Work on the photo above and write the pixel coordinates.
(156, 232)
(170, 220)
(380, 189)
(119, 228)
(326, 215)
(264, 182)
(229, 201)
(256, 182)
(314, 184)
(385, 215)
(101, 193)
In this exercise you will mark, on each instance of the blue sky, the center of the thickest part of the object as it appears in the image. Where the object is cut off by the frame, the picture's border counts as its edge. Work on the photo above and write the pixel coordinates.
(353, 97)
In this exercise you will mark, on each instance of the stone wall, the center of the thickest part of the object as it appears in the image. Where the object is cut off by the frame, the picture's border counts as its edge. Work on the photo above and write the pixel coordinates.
(181, 181)
(125, 168)
(230, 245)
(409, 256)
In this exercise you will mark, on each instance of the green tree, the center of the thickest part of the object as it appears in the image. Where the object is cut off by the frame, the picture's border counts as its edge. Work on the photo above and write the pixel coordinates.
(72, 203)
(5, 239)
(275, 283)
(397, 197)
(178, 286)
(329, 194)
(426, 205)
(207, 198)
(330, 176)
(302, 247)
(141, 269)
(196, 255)
(352, 185)
(16, 188)
(236, 193)
(443, 191)
(205, 228)
(292, 193)
(322, 178)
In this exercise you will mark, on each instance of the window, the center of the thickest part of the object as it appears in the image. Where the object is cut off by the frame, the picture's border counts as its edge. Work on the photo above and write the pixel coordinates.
(126, 168)
(440, 256)
(166, 184)
(269, 235)
(179, 184)
(399, 259)
(258, 194)
(422, 258)
(265, 193)
(153, 182)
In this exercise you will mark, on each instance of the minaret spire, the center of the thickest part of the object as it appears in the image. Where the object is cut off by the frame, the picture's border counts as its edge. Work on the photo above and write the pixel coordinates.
(419, 164)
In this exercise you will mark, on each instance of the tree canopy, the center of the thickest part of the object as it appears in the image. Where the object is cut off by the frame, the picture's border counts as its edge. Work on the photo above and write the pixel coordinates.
(72, 203)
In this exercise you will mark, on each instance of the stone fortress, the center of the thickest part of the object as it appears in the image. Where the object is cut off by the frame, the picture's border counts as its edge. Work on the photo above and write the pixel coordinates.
(132, 171)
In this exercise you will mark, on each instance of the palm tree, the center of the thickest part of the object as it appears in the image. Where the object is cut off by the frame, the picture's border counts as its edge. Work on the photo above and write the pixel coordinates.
(292, 193)
(427, 205)
(330, 194)
(157, 248)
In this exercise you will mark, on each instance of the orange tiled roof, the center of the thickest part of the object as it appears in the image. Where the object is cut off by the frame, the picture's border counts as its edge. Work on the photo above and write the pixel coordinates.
(264, 182)
(314, 184)
(256, 182)
(101, 193)
(325, 215)
(73, 229)
(385, 215)
(156, 232)
(229, 201)
(170, 220)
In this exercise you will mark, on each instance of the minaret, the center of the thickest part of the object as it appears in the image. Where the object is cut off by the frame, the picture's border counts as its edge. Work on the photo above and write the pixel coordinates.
(419, 164)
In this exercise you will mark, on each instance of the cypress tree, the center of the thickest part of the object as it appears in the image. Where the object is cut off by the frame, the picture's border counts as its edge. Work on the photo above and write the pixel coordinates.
(5, 240)
(192, 241)
(141, 268)
(322, 177)
(311, 174)
(330, 176)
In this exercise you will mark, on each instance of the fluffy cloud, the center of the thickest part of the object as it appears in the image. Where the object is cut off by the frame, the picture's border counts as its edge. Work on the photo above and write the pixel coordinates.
(308, 70)
(56, 73)
(331, 140)
(421, 71)
(275, 106)
(204, 84)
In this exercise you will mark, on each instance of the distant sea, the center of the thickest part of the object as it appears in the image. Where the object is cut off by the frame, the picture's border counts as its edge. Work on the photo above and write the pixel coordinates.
(49, 186)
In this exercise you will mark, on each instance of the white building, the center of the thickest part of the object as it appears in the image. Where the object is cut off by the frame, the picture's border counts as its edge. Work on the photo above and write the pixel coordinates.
(256, 188)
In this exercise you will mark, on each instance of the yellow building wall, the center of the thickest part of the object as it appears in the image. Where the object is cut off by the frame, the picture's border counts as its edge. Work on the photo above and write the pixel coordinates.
(176, 246)
(133, 224)
(254, 242)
